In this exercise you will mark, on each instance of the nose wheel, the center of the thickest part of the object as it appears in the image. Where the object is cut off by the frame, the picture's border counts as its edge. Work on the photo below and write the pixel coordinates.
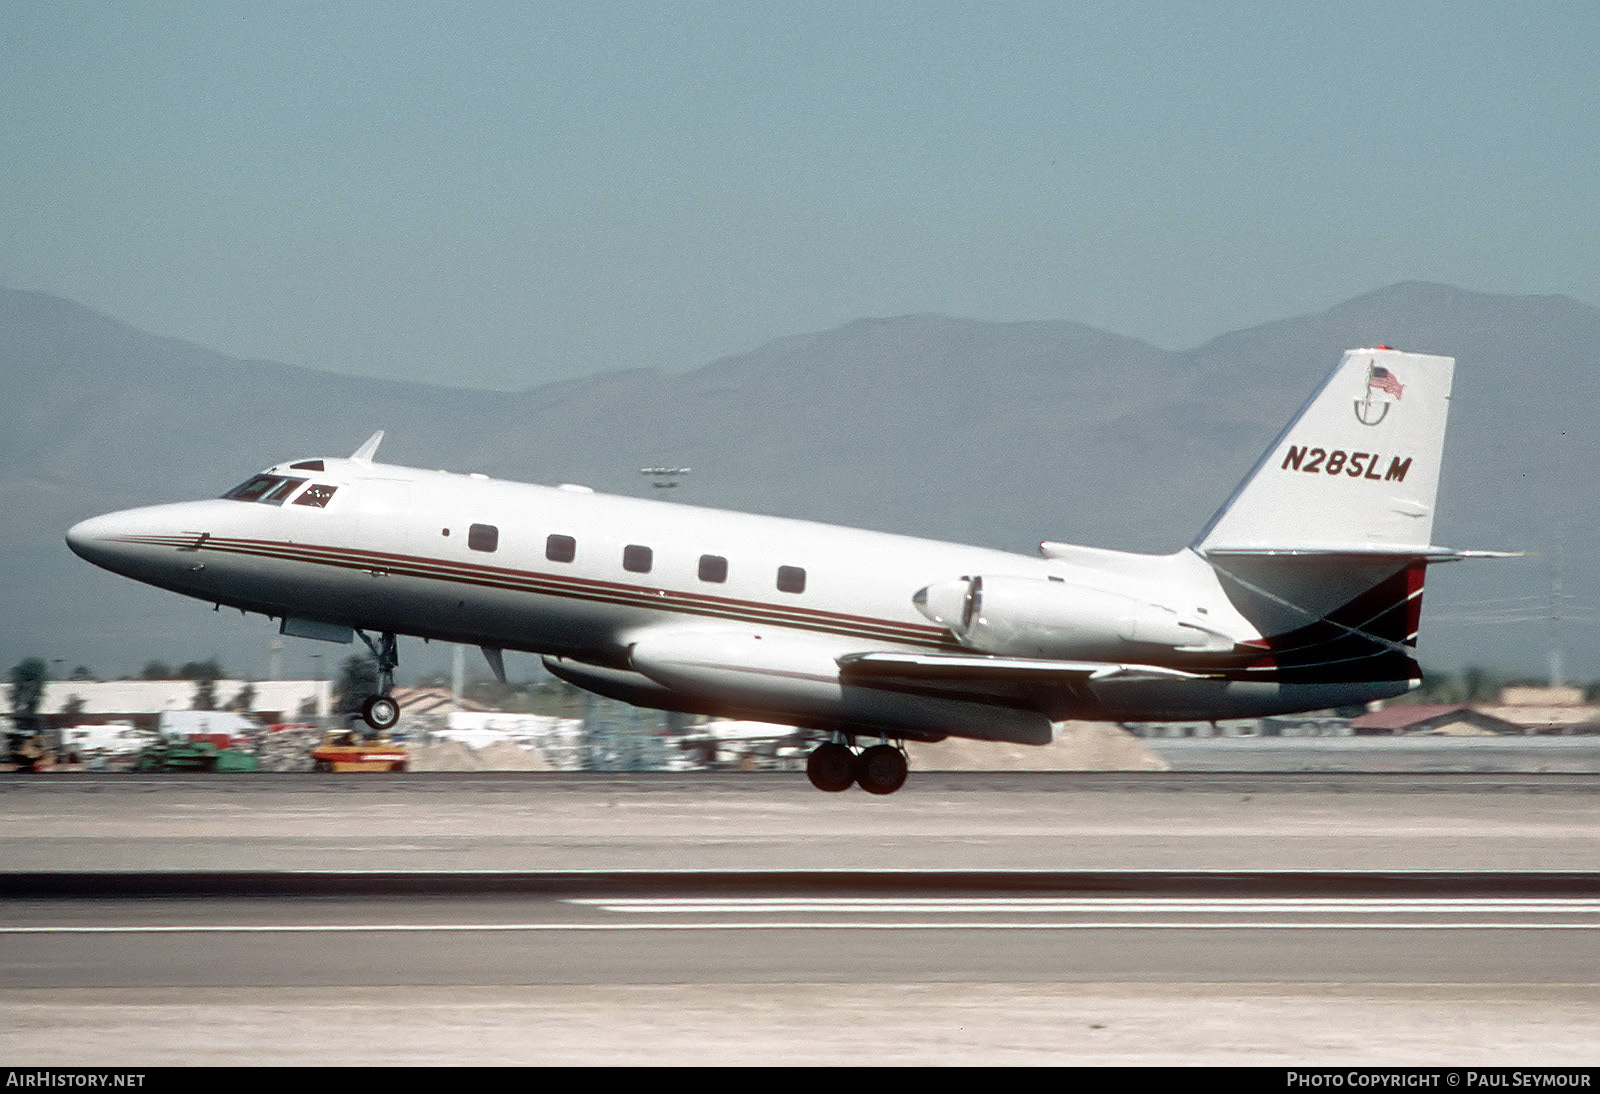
(380, 711)
(833, 767)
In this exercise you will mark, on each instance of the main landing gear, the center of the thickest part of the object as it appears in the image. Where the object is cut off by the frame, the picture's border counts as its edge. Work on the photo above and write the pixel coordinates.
(380, 711)
(880, 769)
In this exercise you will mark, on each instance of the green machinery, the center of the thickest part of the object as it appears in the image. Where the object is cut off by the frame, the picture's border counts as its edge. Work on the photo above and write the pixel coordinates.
(193, 756)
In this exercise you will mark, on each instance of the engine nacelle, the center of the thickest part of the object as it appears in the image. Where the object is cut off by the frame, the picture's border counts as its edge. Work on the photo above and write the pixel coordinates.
(1027, 617)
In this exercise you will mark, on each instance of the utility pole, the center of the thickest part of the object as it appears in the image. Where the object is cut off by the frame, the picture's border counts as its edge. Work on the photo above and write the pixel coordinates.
(1558, 671)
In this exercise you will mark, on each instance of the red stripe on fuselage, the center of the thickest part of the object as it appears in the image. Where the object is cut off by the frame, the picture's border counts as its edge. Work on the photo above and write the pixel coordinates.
(563, 585)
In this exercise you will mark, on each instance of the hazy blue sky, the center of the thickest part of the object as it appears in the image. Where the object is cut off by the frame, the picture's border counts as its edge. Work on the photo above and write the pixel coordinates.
(500, 194)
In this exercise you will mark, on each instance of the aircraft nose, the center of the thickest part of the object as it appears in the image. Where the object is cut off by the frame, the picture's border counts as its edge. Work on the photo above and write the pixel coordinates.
(91, 539)
(133, 542)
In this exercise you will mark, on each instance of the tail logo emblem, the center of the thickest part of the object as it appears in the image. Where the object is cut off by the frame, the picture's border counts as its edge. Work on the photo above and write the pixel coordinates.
(1383, 389)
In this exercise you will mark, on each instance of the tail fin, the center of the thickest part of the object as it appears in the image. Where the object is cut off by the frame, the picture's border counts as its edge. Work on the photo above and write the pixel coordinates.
(1325, 544)
(1356, 472)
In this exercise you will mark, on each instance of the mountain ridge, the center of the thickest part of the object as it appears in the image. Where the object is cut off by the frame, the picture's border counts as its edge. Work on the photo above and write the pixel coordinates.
(995, 433)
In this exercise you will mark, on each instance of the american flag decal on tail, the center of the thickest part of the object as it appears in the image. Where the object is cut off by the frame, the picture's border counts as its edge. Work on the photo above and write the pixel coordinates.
(1381, 379)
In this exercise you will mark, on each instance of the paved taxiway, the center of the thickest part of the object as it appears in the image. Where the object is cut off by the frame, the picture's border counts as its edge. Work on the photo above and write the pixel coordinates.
(717, 974)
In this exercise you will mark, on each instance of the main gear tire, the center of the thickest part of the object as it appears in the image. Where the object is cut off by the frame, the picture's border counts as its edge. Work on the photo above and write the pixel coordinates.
(831, 767)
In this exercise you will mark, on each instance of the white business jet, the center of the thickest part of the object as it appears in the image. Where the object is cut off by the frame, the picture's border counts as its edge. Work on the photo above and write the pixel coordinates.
(1302, 593)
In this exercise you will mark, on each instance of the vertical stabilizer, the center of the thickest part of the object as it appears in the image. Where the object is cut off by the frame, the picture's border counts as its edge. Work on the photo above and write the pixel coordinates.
(1356, 471)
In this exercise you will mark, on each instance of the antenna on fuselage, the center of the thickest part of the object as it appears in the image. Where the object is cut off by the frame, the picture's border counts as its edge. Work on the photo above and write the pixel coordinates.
(365, 452)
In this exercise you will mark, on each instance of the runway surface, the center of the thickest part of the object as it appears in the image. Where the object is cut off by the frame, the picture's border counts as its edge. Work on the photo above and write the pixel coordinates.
(1032, 918)
(1032, 820)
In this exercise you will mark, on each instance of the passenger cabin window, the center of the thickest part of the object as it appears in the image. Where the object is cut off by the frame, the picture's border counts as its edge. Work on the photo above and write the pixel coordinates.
(637, 559)
(316, 495)
(791, 579)
(560, 548)
(713, 568)
(483, 537)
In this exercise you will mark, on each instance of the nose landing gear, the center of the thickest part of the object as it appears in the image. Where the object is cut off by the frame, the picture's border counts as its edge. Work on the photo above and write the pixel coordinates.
(380, 711)
(880, 769)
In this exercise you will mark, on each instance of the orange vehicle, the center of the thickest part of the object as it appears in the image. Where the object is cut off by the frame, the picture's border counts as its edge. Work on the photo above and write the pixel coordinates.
(350, 752)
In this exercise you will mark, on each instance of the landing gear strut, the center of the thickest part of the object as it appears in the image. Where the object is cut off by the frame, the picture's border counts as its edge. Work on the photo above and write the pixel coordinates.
(880, 769)
(380, 711)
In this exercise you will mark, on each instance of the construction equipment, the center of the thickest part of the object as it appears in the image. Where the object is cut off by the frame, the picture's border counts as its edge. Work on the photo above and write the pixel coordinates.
(347, 751)
(180, 755)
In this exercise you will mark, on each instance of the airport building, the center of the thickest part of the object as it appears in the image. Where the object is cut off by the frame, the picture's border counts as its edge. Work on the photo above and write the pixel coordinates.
(1520, 711)
(141, 703)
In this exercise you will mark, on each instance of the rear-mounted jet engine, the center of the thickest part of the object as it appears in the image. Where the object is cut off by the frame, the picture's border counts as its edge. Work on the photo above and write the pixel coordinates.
(1027, 617)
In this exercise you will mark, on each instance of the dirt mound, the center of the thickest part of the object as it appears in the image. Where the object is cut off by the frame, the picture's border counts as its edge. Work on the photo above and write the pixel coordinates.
(455, 756)
(1079, 746)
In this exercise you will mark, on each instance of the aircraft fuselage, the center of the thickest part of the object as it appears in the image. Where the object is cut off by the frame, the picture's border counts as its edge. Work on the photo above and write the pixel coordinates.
(599, 583)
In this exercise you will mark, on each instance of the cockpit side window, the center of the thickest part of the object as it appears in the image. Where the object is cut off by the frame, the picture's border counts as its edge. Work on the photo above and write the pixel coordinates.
(316, 495)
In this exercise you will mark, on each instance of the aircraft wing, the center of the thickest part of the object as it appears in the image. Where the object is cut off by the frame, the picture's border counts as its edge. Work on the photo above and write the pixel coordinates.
(974, 668)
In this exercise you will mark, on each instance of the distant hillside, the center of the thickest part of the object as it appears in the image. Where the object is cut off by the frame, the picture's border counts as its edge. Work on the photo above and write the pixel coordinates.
(1001, 434)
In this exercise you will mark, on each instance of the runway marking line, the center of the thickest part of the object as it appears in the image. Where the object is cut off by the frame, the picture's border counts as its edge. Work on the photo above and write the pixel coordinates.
(704, 905)
(1494, 913)
(797, 925)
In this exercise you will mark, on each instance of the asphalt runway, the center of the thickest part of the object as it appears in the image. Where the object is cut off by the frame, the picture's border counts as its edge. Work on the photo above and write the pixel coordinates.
(1303, 920)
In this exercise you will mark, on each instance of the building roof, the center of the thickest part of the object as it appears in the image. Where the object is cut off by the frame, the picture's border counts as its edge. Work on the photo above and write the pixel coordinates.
(432, 700)
(1429, 717)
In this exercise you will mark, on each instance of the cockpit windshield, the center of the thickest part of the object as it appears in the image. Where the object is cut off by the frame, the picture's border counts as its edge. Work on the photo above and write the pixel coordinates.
(276, 489)
(255, 489)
